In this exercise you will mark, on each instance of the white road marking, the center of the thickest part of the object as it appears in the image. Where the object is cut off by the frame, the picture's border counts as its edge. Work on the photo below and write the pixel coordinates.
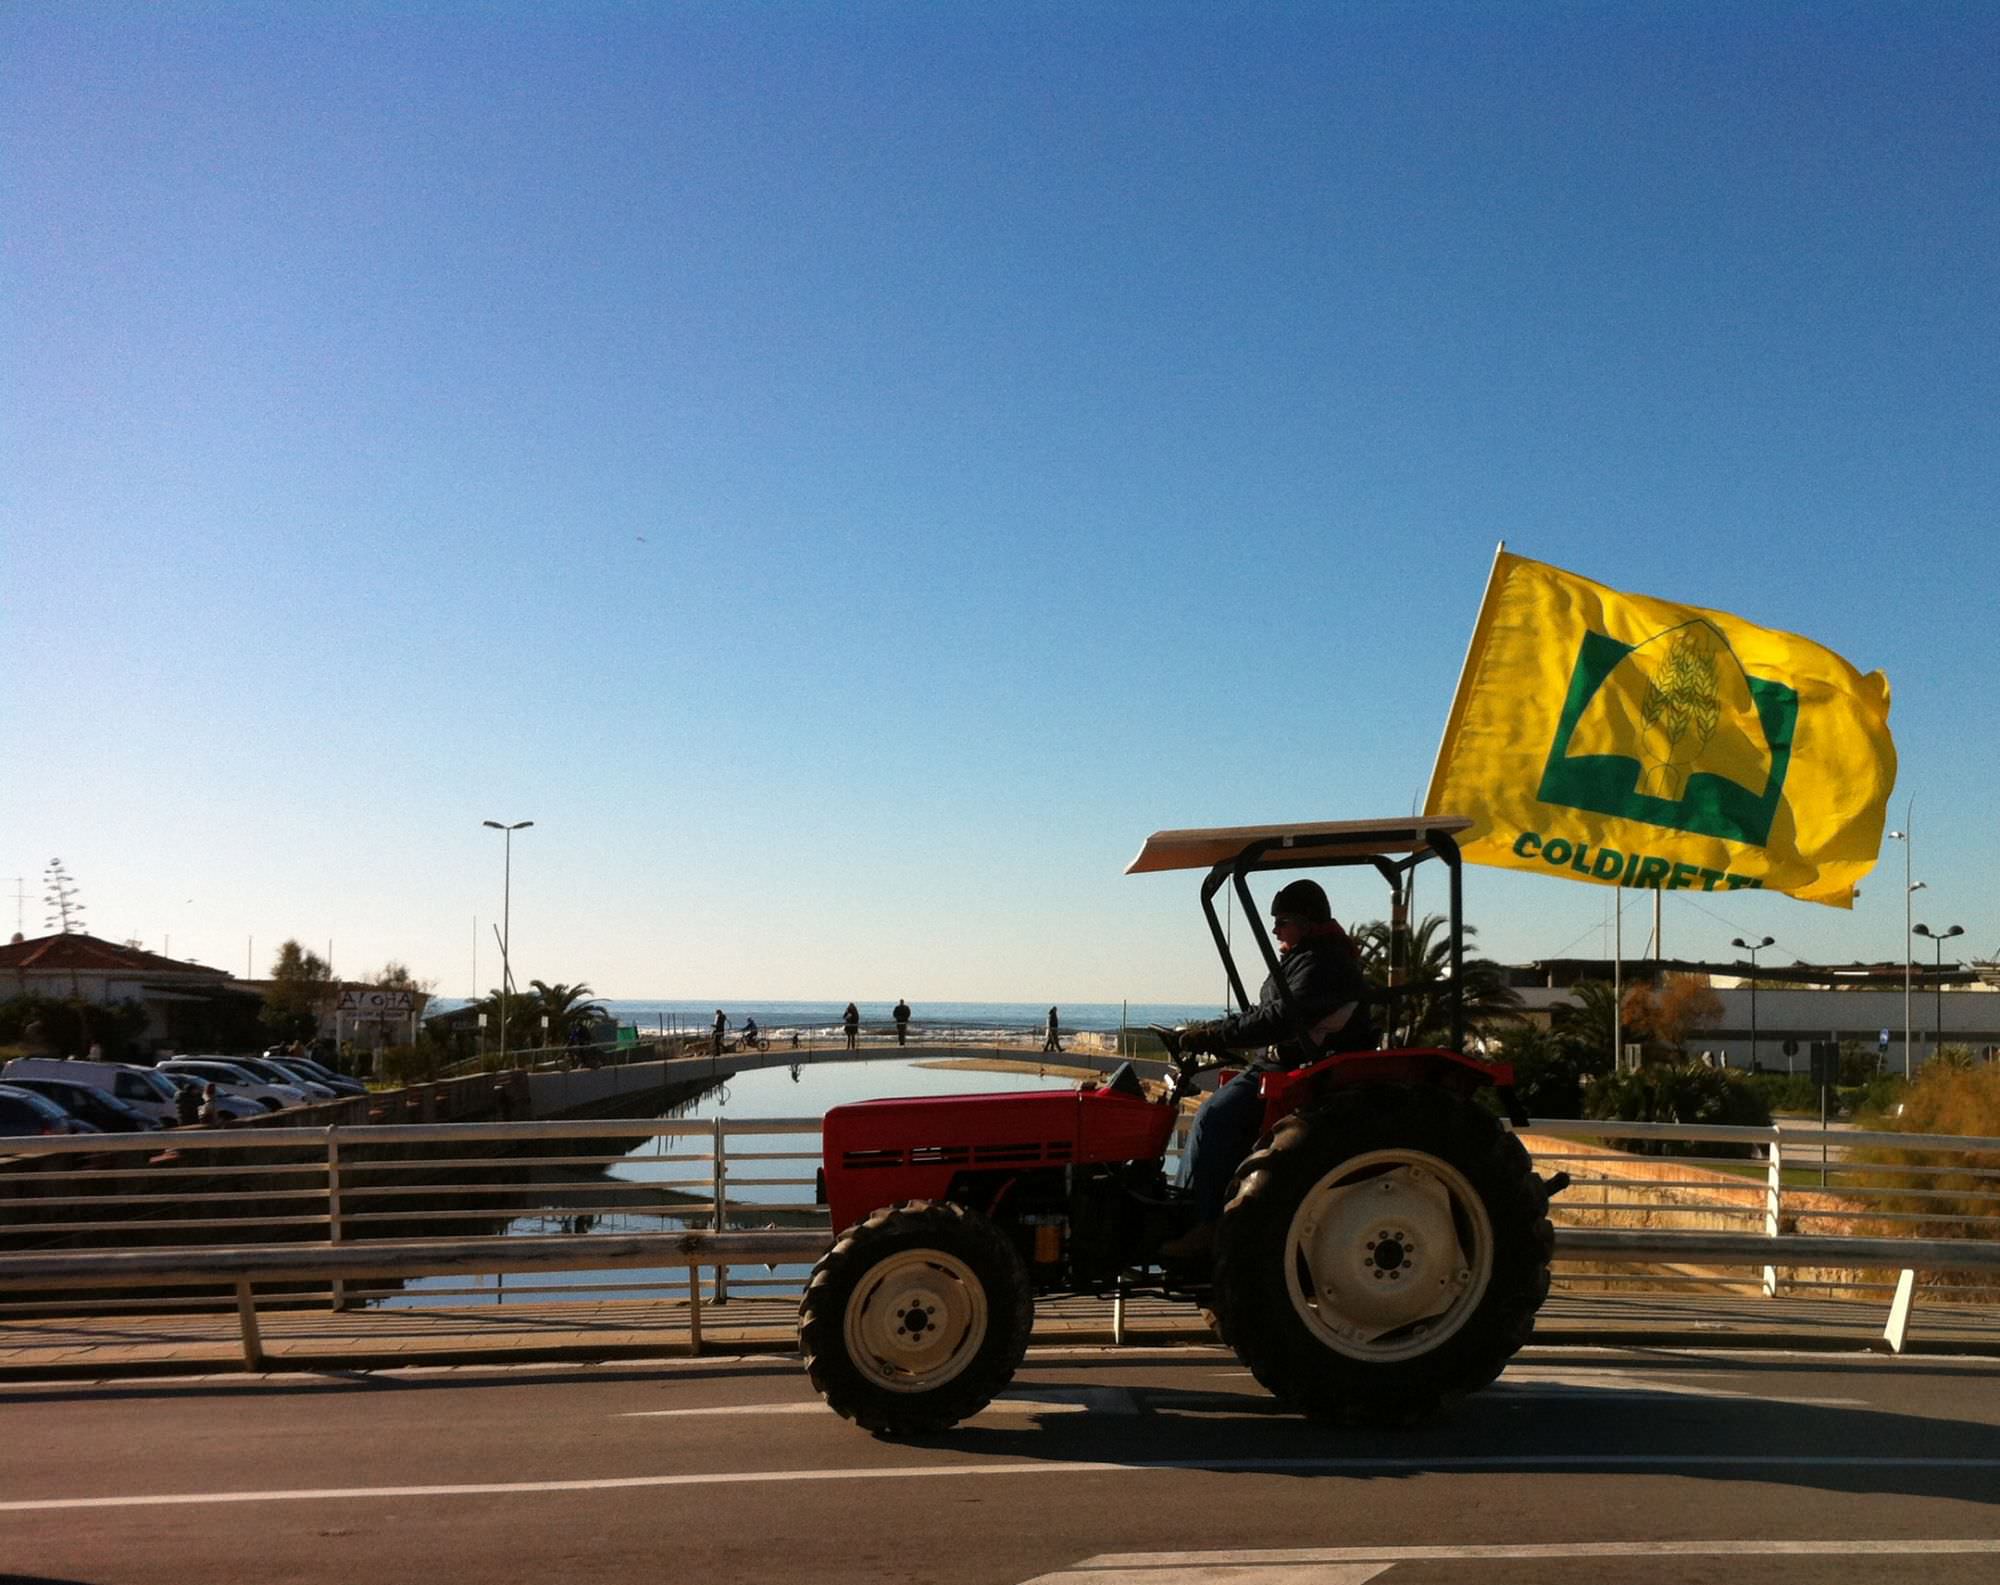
(1553, 1381)
(1577, 1463)
(1163, 1568)
(1201, 1573)
(1204, 1573)
(1034, 1400)
(722, 1408)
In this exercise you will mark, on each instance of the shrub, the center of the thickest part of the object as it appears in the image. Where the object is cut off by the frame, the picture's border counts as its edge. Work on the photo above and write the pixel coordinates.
(68, 1026)
(1952, 1190)
(1691, 1094)
(1785, 1092)
(1549, 1075)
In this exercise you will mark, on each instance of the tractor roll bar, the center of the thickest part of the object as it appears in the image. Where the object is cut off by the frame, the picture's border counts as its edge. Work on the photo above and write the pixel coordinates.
(1296, 851)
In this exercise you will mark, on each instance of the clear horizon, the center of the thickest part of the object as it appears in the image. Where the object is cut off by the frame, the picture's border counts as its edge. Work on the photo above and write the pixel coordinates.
(848, 475)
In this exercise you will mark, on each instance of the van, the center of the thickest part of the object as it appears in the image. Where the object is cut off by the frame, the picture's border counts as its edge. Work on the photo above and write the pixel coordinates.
(141, 1087)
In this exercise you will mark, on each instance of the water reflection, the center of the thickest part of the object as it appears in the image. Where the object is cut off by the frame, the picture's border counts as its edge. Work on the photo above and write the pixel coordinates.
(770, 1175)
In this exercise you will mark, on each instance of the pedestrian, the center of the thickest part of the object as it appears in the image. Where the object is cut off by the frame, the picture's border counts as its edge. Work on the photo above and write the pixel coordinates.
(716, 1034)
(187, 1105)
(902, 1016)
(1053, 1040)
(850, 1022)
(210, 1115)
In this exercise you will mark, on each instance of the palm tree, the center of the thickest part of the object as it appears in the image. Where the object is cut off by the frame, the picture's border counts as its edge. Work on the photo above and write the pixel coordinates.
(563, 1006)
(1587, 1026)
(1423, 1009)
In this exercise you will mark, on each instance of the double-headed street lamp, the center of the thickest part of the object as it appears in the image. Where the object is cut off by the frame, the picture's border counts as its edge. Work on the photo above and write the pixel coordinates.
(1938, 938)
(1753, 948)
(506, 922)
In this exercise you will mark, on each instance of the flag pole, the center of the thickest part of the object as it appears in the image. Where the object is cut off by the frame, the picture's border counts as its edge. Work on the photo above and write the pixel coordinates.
(1457, 711)
(1618, 980)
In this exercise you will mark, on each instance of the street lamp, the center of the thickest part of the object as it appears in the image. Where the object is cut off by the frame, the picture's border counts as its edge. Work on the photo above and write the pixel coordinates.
(1909, 890)
(1938, 939)
(1753, 948)
(506, 922)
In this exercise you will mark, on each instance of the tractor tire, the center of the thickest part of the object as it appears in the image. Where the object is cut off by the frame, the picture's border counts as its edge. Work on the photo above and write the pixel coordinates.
(1383, 1255)
(915, 1318)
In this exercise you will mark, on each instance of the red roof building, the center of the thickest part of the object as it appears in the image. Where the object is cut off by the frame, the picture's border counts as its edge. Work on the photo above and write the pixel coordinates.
(182, 1000)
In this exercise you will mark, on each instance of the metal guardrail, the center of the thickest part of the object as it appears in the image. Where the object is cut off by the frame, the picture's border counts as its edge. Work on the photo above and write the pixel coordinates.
(134, 1221)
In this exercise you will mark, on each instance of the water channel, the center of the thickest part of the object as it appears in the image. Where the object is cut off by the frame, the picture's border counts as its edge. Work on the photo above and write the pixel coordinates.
(804, 1092)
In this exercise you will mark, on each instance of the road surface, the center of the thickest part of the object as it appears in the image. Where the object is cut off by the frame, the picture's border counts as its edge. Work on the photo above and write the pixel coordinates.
(1132, 1467)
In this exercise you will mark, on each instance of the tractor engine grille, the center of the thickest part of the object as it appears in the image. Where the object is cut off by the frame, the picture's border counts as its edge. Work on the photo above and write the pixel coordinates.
(1022, 1153)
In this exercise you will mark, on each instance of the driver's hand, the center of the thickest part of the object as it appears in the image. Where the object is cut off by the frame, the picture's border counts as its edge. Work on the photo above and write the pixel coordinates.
(1194, 1039)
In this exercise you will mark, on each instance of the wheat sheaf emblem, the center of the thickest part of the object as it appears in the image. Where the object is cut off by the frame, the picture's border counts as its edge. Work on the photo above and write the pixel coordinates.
(1679, 714)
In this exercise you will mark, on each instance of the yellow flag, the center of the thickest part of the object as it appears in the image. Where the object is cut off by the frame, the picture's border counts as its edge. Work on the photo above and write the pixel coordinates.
(1629, 741)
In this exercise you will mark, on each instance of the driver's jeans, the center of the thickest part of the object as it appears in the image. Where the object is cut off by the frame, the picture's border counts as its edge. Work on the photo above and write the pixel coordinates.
(1224, 1129)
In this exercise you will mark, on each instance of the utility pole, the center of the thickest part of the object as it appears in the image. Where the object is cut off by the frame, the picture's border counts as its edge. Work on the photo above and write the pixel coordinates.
(506, 923)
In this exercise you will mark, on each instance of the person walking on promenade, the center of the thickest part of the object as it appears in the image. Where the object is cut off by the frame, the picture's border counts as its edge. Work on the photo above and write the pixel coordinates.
(187, 1105)
(210, 1114)
(902, 1017)
(850, 1022)
(715, 1036)
(1053, 1040)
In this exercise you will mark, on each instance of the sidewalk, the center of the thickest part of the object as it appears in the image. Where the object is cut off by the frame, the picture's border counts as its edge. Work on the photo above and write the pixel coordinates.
(112, 1346)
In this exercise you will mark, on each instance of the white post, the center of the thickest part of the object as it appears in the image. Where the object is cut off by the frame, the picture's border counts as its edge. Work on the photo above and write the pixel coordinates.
(1774, 1190)
(333, 1211)
(1899, 1312)
(721, 1211)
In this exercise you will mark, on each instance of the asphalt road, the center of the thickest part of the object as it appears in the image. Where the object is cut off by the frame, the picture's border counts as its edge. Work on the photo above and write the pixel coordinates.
(1135, 1468)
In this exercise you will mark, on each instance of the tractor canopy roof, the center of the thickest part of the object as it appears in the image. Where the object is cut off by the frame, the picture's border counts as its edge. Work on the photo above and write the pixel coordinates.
(1322, 842)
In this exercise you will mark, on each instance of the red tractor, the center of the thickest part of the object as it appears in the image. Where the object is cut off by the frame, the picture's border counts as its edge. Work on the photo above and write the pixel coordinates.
(1384, 1249)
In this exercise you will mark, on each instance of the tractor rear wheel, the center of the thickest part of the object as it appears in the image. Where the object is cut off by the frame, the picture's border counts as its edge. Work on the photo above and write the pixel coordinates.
(1383, 1255)
(915, 1318)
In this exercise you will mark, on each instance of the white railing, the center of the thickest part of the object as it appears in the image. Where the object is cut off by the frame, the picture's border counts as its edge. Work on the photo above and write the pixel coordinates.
(495, 1186)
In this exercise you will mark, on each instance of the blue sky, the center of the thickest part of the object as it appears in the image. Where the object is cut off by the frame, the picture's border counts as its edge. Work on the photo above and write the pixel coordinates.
(848, 473)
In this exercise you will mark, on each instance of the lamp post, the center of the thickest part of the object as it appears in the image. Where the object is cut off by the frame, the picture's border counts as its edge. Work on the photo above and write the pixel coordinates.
(1753, 948)
(1938, 938)
(1910, 889)
(506, 922)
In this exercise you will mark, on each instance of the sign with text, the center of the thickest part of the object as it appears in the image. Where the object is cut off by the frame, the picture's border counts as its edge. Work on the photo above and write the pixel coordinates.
(361, 1003)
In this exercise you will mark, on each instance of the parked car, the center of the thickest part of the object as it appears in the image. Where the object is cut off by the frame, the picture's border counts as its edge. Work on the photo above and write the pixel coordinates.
(313, 1073)
(233, 1080)
(313, 1068)
(91, 1105)
(23, 1112)
(142, 1087)
(275, 1073)
(231, 1108)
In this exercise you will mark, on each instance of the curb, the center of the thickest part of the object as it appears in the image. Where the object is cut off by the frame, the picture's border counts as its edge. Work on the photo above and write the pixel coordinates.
(1192, 1335)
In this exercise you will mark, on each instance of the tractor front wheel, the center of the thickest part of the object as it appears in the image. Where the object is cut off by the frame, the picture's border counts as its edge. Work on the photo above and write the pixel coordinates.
(1383, 1255)
(915, 1318)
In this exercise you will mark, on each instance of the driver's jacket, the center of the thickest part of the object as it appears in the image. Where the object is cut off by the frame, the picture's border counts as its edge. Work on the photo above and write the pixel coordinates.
(1329, 993)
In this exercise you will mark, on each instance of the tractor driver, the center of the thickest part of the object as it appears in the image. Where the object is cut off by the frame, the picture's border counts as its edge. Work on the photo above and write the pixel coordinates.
(1323, 974)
